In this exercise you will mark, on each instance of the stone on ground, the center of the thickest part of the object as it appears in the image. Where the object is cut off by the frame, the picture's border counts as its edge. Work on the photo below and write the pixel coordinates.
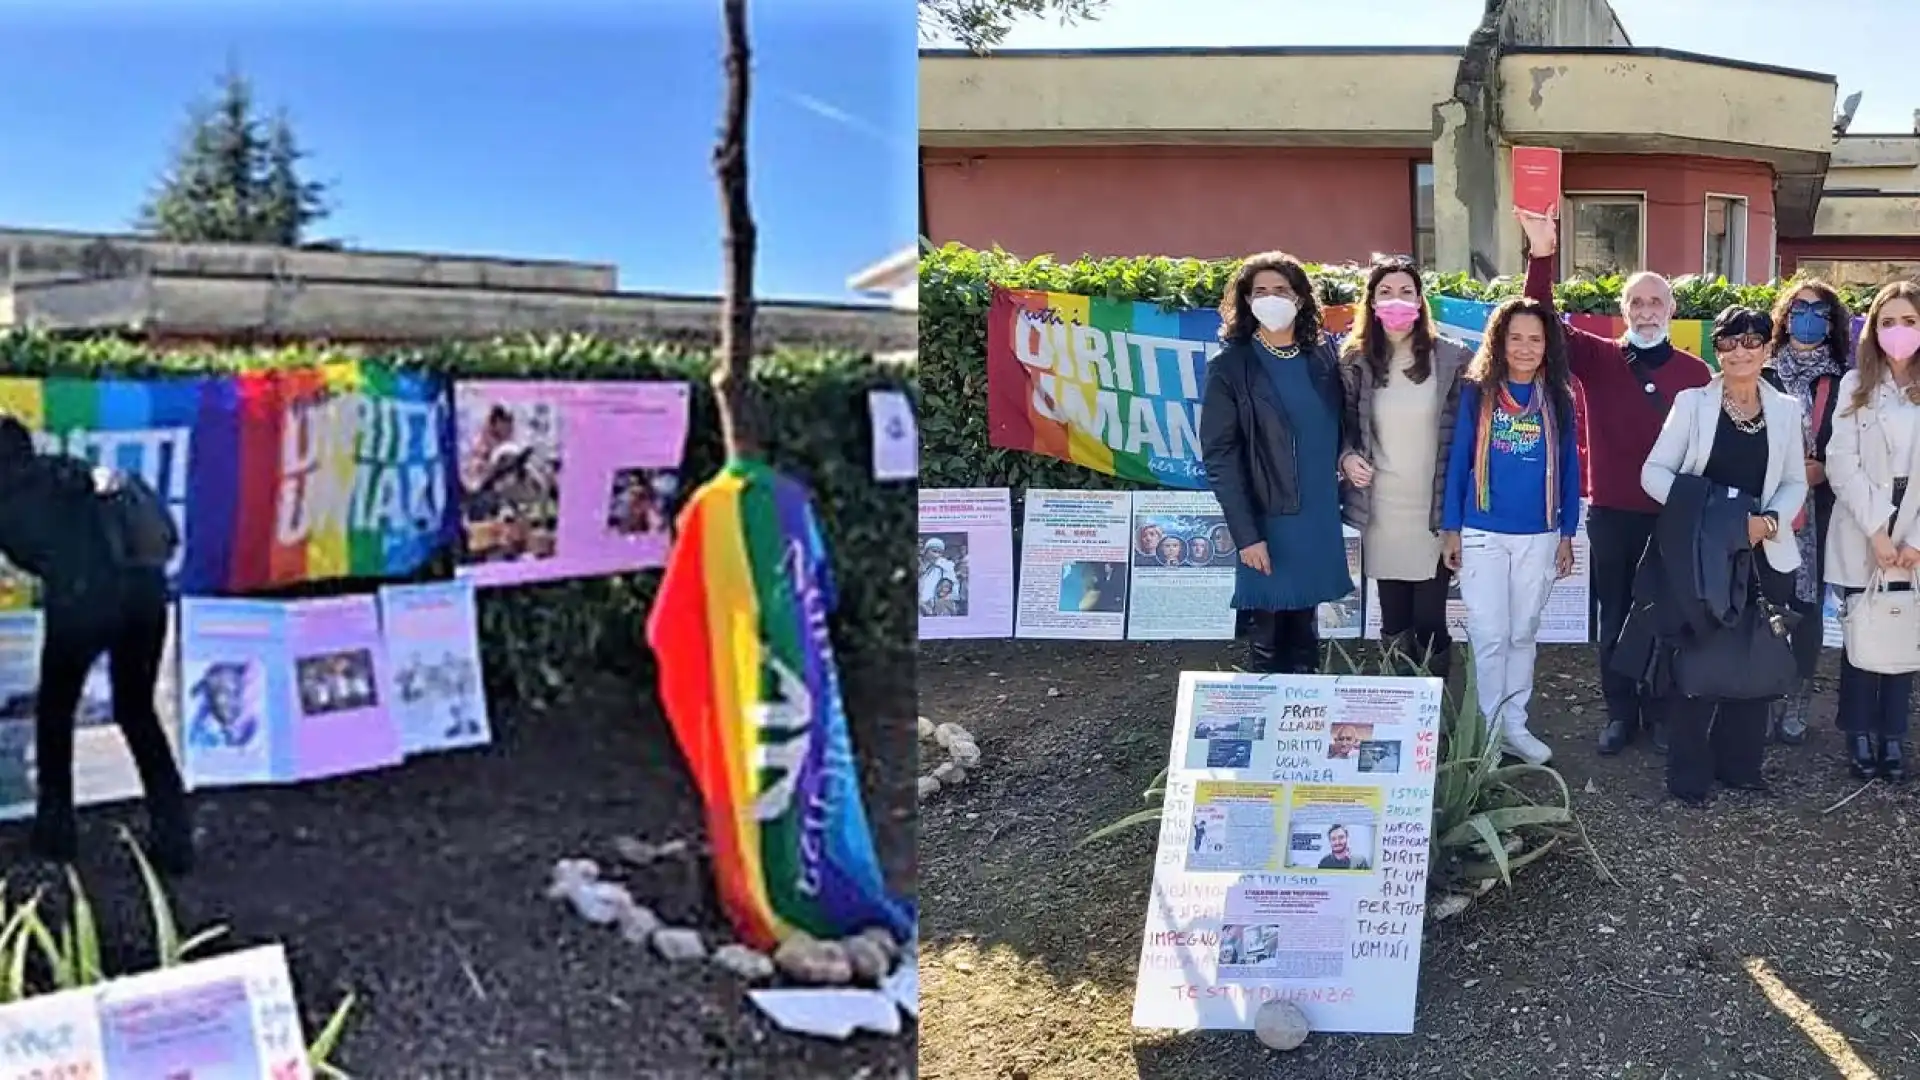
(749, 964)
(964, 753)
(1280, 1025)
(926, 728)
(805, 959)
(881, 937)
(679, 943)
(869, 961)
(928, 786)
(637, 924)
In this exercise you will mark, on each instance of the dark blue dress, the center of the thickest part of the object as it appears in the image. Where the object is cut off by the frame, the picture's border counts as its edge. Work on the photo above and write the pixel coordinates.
(1308, 550)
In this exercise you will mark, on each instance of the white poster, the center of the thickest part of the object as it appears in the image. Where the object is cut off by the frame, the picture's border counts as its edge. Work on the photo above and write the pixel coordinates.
(1073, 565)
(232, 1016)
(1293, 852)
(1182, 563)
(896, 438)
(1342, 618)
(966, 563)
(1567, 620)
(103, 769)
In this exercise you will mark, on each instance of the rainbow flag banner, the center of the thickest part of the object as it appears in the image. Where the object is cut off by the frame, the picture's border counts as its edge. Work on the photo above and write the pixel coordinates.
(748, 678)
(274, 477)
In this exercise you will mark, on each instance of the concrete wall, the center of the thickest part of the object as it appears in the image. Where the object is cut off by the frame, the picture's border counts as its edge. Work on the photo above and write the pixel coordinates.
(29, 255)
(1562, 24)
(1892, 214)
(1676, 189)
(1289, 97)
(1206, 202)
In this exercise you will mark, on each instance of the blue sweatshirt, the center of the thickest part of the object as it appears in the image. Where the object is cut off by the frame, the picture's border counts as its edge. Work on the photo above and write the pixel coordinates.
(1517, 468)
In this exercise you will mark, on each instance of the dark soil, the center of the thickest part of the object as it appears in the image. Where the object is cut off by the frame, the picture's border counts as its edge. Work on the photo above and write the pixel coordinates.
(1765, 938)
(422, 890)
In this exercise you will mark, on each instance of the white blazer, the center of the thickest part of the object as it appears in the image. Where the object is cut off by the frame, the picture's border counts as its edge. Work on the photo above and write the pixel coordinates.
(1686, 441)
(1860, 469)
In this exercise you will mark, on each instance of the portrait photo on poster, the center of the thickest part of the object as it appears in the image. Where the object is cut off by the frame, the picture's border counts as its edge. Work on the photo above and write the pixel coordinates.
(226, 702)
(642, 501)
(1093, 586)
(510, 478)
(336, 682)
(944, 573)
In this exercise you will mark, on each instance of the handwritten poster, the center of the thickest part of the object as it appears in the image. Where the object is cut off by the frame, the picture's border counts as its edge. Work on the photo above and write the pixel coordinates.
(341, 697)
(52, 1037)
(235, 692)
(1292, 863)
(966, 563)
(1182, 561)
(568, 479)
(433, 643)
(1074, 565)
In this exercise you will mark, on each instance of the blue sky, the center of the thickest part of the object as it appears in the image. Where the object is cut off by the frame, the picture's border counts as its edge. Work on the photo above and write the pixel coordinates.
(558, 129)
(1866, 43)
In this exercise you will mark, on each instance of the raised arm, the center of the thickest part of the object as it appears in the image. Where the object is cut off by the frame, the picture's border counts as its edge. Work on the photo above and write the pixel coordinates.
(1585, 349)
(1669, 451)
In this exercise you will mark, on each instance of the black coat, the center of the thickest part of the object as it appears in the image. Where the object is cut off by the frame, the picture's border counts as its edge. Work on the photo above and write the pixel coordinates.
(52, 526)
(1247, 441)
(1696, 579)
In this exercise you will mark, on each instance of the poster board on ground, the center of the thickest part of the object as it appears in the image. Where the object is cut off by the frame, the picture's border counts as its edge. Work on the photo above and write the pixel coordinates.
(965, 582)
(1292, 862)
(103, 769)
(1343, 618)
(229, 1016)
(235, 693)
(432, 634)
(1567, 620)
(567, 479)
(1073, 565)
(1182, 561)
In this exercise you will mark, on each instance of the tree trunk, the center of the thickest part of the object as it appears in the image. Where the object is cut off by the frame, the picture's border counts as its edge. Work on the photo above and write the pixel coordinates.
(733, 377)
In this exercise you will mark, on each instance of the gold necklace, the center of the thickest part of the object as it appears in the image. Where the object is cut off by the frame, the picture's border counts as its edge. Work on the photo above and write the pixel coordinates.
(1284, 352)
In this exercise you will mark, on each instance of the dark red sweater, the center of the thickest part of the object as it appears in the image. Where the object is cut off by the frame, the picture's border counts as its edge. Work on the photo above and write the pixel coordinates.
(1621, 423)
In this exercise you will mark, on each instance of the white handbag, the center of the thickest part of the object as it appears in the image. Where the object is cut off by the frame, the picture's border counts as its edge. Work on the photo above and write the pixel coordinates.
(1882, 627)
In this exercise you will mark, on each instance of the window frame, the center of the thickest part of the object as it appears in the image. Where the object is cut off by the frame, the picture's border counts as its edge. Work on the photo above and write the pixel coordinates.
(1571, 201)
(1430, 260)
(1739, 256)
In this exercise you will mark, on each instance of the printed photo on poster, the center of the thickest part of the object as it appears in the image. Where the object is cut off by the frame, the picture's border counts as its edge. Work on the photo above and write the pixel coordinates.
(1333, 828)
(1183, 578)
(641, 501)
(1346, 617)
(1271, 933)
(511, 456)
(234, 667)
(965, 567)
(944, 571)
(333, 682)
(1074, 565)
(1236, 827)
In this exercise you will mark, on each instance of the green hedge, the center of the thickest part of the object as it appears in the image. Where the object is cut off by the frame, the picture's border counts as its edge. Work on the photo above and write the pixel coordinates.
(535, 637)
(955, 291)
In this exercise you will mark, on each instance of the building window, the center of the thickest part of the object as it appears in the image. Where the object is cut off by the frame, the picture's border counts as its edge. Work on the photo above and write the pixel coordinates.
(1603, 234)
(1863, 273)
(1726, 240)
(1423, 246)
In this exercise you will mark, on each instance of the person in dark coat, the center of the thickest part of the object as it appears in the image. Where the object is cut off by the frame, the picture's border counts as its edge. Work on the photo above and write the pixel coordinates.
(1270, 439)
(58, 523)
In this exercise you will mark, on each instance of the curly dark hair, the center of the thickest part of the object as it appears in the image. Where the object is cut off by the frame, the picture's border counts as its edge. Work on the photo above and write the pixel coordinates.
(1236, 312)
(1368, 342)
(1489, 367)
(1839, 319)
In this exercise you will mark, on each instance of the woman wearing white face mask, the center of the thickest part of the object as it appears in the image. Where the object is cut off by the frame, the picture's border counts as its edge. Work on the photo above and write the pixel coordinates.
(1871, 459)
(1402, 385)
(1270, 436)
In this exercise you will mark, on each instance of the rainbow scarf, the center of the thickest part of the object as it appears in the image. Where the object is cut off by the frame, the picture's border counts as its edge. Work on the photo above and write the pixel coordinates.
(1502, 398)
(748, 679)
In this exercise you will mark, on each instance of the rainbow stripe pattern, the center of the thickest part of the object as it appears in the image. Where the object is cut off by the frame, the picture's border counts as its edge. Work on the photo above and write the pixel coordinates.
(751, 690)
(275, 477)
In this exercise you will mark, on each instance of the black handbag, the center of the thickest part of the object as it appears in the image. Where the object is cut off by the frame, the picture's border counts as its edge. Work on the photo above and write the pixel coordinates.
(1748, 660)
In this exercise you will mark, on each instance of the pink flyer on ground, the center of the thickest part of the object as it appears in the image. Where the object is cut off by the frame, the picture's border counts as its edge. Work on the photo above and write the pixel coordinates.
(341, 688)
(564, 480)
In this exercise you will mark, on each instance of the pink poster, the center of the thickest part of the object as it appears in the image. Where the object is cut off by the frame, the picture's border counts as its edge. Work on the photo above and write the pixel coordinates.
(568, 479)
(342, 690)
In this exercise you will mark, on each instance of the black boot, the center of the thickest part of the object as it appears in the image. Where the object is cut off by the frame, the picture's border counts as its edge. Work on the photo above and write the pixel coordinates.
(1302, 649)
(1400, 654)
(1863, 757)
(1615, 737)
(1263, 643)
(1440, 659)
(1893, 762)
(170, 834)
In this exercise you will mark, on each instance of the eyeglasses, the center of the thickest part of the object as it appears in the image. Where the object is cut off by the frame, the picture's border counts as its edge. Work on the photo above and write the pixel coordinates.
(1742, 341)
(1808, 307)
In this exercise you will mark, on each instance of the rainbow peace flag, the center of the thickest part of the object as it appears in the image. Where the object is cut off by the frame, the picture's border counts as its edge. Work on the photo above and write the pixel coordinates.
(748, 679)
(274, 477)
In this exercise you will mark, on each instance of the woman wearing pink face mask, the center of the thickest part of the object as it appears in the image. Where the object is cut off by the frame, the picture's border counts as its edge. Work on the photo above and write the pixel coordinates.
(1402, 386)
(1871, 457)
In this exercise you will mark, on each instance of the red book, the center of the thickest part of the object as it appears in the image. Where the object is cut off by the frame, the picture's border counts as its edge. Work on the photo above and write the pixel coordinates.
(1536, 179)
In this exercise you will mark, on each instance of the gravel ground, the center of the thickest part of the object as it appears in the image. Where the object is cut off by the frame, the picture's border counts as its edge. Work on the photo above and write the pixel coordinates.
(1766, 938)
(421, 889)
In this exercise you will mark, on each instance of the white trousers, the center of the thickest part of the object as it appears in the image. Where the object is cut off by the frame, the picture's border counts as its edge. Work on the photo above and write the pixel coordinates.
(1504, 582)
